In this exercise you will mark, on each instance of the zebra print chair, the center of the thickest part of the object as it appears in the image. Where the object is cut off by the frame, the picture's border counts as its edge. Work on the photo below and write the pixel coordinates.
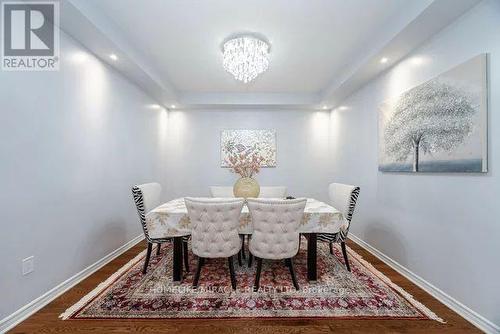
(343, 197)
(147, 197)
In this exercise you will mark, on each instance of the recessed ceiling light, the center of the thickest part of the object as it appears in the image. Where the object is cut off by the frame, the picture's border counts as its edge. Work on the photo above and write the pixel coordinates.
(325, 107)
(113, 57)
(172, 106)
(342, 108)
(384, 60)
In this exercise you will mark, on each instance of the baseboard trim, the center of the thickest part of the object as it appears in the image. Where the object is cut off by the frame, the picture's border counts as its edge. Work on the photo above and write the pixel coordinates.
(473, 317)
(27, 310)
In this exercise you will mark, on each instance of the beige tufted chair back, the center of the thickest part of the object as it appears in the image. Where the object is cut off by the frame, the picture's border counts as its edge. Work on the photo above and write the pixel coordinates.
(214, 224)
(221, 192)
(272, 192)
(275, 224)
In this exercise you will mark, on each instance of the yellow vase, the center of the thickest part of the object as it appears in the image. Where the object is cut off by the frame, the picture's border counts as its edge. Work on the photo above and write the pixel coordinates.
(246, 187)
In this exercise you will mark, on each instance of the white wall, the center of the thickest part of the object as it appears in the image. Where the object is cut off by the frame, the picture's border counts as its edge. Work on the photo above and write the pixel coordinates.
(194, 150)
(445, 228)
(72, 144)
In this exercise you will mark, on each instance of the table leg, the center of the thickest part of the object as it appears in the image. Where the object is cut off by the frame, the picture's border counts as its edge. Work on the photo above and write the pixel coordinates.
(177, 271)
(312, 257)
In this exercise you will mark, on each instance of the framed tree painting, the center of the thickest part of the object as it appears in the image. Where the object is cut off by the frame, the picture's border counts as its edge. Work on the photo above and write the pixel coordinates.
(261, 143)
(438, 126)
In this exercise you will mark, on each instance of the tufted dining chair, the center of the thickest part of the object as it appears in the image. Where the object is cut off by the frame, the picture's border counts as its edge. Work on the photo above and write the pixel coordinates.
(146, 198)
(275, 237)
(265, 192)
(214, 224)
(343, 197)
(273, 192)
(221, 192)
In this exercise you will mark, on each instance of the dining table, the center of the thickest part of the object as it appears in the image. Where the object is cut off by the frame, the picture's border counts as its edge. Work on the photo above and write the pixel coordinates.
(171, 220)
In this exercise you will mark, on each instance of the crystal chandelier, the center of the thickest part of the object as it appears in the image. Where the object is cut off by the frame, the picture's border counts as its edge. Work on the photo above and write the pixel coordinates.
(245, 57)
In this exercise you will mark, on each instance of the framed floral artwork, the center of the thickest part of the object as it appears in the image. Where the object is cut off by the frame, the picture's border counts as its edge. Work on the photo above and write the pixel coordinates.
(259, 143)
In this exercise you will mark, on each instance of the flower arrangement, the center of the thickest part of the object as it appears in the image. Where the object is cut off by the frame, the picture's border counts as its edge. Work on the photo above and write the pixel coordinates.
(245, 164)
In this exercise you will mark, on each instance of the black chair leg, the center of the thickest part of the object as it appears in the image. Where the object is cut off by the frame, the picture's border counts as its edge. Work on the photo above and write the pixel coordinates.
(344, 252)
(239, 259)
(243, 247)
(185, 255)
(231, 272)
(257, 274)
(292, 272)
(158, 249)
(331, 247)
(198, 271)
(148, 255)
(250, 259)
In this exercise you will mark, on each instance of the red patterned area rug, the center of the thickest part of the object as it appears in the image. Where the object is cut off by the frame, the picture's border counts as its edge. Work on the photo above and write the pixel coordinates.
(362, 293)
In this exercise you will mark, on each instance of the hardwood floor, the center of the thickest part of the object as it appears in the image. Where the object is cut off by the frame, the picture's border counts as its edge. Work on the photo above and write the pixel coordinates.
(46, 320)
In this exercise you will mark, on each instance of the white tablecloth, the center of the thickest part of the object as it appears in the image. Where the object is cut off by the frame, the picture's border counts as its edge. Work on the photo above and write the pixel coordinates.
(171, 220)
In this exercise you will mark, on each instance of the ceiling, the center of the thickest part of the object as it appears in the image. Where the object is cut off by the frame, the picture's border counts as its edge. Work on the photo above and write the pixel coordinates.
(172, 48)
(310, 40)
